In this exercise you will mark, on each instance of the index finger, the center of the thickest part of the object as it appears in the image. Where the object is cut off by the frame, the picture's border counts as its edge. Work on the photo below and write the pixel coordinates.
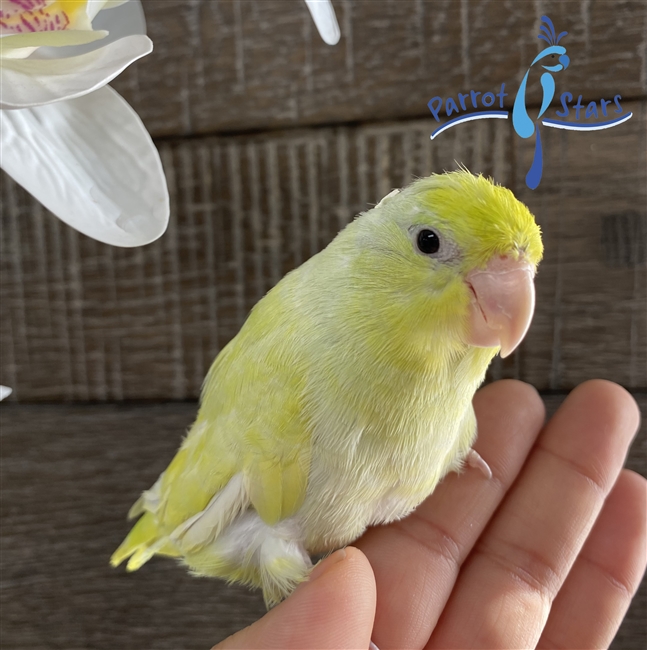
(416, 560)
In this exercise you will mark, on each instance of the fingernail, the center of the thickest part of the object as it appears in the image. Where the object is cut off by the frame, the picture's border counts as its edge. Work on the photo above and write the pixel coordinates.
(325, 564)
(372, 646)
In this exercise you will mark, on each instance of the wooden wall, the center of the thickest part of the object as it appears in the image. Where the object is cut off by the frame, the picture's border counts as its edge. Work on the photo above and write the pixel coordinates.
(272, 141)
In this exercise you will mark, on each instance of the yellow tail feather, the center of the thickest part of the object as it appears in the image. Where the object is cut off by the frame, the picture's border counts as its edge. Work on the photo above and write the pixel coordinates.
(139, 540)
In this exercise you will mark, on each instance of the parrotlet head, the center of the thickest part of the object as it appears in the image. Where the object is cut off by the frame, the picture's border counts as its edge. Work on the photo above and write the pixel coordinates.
(455, 249)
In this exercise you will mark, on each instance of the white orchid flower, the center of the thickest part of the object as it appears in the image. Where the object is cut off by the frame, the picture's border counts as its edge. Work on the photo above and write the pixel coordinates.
(323, 14)
(65, 135)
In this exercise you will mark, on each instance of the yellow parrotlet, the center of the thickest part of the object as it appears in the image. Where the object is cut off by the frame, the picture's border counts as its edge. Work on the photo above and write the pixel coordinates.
(347, 394)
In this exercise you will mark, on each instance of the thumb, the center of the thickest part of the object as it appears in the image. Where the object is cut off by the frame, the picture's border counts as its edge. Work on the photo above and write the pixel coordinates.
(334, 609)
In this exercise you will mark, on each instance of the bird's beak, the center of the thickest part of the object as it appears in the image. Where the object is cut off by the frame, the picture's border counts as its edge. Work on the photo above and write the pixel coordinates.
(503, 302)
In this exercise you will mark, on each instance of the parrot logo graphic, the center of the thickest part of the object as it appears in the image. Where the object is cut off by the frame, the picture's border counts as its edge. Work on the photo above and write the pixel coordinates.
(553, 59)
(478, 105)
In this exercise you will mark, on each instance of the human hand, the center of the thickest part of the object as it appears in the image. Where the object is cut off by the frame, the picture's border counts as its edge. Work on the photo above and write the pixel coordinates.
(546, 554)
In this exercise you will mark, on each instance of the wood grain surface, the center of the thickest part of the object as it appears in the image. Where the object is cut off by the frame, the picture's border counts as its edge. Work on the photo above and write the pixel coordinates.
(69, 475)
(84, 321)
(240, 65)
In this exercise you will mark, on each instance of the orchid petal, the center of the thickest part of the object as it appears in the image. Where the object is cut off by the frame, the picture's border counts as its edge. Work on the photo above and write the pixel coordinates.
(18, 16)
(95, 6)
(50, 39)
(324, 17)
(122, 20)
(92, 163)
(125, 19)
(33, 82)
(5, 391)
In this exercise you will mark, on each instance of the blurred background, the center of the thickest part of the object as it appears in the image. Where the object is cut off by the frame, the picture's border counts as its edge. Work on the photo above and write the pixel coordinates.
(272, 141)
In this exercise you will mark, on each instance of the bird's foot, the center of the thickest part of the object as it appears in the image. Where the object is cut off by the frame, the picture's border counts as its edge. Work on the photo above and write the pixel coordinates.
(474, 460)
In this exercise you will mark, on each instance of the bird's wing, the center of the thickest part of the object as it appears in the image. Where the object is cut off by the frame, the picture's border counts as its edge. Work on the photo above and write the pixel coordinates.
(250, 444)
(250, 424)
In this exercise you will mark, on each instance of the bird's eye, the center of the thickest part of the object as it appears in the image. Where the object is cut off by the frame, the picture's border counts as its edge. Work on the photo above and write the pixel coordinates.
(428, 242)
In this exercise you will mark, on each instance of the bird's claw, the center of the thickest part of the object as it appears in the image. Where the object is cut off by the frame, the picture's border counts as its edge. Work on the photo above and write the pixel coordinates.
(475, 460)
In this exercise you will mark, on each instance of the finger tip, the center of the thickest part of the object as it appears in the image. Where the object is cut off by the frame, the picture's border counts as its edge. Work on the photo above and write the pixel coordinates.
(335, 609)
(627, 503)
(611, 402)
(617, 542)
(354, 554)
(513, 389)
(345, 570)
(516, 398)
(633, 481)
(361, 570)
(345, 595)
(630, 493)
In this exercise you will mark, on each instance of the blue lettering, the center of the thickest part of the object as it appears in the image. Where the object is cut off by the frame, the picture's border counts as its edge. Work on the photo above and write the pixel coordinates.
(488, 99)
(450, 107)
(616, 101)
(461, 99)
(435, 108)
(564, 99)
(591, 110)
(501, 95)
(578, 107)
(603, 104)
(474, 95)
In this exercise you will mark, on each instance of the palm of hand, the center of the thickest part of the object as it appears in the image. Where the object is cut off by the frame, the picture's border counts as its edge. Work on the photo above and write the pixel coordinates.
(546, 554)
